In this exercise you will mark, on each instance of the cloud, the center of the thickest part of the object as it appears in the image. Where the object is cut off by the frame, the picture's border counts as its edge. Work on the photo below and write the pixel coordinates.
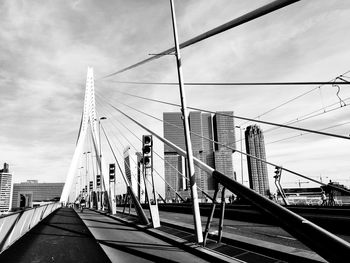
(48, 45)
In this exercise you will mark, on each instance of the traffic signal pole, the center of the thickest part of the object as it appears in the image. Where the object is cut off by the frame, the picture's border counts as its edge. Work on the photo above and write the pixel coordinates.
(194, 194)
(150, 191)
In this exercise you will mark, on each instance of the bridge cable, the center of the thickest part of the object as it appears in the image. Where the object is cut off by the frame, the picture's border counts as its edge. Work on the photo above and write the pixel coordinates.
(302, 134)
(128, 166)
(254, 157)
(297, 83)
(259, 12)
(228, 147)
(331, 82)
(187, 179)
(183, 176)
(245, 118)
(306, 117)
(126, 180)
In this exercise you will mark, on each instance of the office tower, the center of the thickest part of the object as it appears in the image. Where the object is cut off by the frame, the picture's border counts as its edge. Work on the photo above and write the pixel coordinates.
(140, 180)
(130, 166)
(224, 134)
(32, 193)
(174, 167)
(174, 164)
(224, 130)
(5, 189)
(258, 177)
(202, 133)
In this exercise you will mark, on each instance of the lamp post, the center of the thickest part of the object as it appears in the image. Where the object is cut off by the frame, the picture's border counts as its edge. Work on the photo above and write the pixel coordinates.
(99, 134)
(80, 180)
(241, 140)
(100, 153)
(86, 164)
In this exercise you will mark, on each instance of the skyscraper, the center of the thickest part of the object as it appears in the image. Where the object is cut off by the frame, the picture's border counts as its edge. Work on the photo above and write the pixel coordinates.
(202, 133)
(130, 166)
(258, 177)
(224, 130)
(6, 189)
(224, 134)
(173, 163)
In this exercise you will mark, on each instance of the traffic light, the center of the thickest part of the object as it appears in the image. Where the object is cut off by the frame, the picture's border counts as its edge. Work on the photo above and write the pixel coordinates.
(91, 185)
(98, 180)
(147, 150)
(85, 189)
(111, 172)
(278, 172)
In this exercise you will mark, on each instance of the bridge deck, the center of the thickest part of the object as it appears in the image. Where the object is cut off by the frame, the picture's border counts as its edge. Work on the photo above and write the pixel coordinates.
(61, 237)
(125, 243)
(65, 237)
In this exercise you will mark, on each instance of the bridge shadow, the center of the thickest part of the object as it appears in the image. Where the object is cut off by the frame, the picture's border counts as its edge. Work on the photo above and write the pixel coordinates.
(61, 237)
(129, 247)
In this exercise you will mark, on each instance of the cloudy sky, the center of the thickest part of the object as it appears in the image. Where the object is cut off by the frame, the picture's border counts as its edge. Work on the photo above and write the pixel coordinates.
(46, 47)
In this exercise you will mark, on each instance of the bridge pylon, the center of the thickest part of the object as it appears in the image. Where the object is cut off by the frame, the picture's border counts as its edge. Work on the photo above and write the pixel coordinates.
(89, 123)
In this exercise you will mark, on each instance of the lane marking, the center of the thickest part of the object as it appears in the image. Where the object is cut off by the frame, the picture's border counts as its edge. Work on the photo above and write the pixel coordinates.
(290, 238)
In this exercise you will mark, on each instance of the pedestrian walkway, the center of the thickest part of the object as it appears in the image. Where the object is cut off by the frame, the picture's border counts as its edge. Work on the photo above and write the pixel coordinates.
(61, 237)
(125, 243)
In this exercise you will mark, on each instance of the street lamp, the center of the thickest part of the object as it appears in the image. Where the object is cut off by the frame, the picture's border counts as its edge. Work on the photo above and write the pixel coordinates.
(86, 164)
(99, 132)
(241, 140)
(80, 179)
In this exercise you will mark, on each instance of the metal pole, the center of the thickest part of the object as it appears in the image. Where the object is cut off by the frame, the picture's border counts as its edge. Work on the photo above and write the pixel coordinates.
(196, 212)
(86, 173)
(241, 139)
(328, 245)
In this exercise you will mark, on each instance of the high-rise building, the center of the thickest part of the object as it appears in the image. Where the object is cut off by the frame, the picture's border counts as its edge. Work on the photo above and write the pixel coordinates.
(255, 146)
(131, 166)
(5, 189)
(32, 193)
(174, 164)
(202, 134)
(224, 134)
(224, 130)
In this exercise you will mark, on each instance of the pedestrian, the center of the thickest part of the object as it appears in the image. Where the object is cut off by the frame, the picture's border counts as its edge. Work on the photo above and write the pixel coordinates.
(323, 198)
(82, 204)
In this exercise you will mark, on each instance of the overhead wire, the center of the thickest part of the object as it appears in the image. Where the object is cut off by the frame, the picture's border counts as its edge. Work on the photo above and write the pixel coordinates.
(163, 159)
(205, 193)
(259, 12)
(302, 134)
(245, 118)
(331, 82)
(131, 173)
(228, 147)
(297, 83)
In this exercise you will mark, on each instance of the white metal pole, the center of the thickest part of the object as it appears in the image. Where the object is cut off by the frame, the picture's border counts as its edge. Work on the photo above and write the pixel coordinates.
(195, 205)
(240, 131)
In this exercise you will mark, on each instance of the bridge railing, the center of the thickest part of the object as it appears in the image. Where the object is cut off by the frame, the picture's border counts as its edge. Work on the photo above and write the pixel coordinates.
(14, 226)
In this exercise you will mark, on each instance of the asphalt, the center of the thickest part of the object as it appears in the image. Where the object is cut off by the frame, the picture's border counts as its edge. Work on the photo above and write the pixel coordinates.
(261, 238)
(61, 237)
(89, 236)
(126, 243)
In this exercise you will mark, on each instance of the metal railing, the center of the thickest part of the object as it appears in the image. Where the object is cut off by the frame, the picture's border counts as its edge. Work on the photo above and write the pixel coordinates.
(14, 226)
(326, 244)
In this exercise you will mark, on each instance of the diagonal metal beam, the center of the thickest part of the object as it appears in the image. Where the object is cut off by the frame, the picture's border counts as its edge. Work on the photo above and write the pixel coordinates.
(259, 12)
(323, 242)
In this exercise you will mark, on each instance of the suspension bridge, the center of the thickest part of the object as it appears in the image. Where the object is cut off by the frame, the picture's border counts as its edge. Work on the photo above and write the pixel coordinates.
(134, 211)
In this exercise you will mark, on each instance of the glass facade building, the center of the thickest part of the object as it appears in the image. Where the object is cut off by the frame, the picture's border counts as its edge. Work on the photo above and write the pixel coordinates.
(203, 129)
(24, 194)
(258, 176)
(5, 192)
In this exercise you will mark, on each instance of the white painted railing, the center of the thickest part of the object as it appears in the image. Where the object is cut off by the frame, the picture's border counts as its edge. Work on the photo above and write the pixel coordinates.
(14, 226)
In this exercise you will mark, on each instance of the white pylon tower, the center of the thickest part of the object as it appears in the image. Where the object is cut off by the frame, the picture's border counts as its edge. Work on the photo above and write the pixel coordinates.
(89, 120)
